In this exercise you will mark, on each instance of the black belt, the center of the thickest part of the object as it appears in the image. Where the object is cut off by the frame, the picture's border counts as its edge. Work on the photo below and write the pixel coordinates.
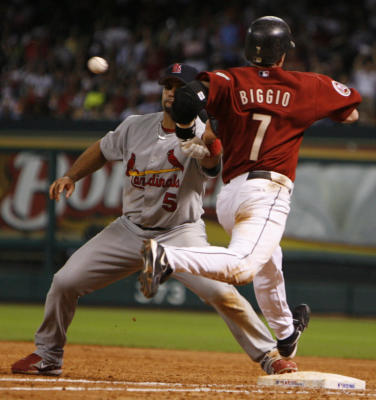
(266, 175)
(260, 175)
(145, 228)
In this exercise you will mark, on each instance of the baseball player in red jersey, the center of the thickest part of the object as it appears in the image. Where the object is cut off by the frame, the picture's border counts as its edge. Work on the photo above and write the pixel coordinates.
(262, 112)
(162, 199)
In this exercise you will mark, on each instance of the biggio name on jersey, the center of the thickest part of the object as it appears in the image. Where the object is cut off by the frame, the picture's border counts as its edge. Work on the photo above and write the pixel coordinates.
(270, 96)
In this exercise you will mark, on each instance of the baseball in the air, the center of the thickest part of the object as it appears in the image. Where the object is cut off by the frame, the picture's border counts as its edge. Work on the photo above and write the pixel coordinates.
(97, 65)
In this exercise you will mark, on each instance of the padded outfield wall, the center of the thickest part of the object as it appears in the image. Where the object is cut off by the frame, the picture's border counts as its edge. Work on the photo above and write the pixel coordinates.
(329, 245)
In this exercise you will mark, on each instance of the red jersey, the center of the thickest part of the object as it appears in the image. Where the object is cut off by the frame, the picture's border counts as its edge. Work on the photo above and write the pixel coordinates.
(263, 113)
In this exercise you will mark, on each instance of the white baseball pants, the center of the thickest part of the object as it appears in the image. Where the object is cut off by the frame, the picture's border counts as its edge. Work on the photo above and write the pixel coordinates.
(254, 212)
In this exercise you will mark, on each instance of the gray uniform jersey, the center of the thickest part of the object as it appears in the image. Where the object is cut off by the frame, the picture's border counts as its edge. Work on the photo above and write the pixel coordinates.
(155, 168)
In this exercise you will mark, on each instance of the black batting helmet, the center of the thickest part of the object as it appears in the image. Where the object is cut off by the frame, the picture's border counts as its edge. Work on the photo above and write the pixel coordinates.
(267, 39)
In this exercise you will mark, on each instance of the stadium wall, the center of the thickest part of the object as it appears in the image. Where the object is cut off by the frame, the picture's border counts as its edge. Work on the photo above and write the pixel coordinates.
(329, 246)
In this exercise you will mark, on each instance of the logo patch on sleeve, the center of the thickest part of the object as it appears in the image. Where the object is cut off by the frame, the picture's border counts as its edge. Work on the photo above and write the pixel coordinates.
(342, 89)
(264, 74)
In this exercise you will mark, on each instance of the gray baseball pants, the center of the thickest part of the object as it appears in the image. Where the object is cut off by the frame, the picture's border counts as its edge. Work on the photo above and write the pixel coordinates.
(114, 254)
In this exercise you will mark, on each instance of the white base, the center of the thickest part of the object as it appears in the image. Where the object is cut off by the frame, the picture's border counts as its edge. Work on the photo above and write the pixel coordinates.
(313, 380)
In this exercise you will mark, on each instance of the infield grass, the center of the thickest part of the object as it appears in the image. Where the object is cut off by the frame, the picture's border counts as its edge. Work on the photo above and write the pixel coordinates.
(202, 331)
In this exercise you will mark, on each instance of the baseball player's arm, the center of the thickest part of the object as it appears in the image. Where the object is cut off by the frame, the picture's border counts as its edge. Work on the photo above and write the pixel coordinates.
(88, 162)
(213, 161)
(336, 100)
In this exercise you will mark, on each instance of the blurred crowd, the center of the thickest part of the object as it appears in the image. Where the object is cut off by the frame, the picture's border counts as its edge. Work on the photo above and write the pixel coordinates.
(45, 46)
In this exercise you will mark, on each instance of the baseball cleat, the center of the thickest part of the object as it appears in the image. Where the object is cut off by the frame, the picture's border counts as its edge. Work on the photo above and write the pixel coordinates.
(273, 364)
(35, 365)
(283, 366)
(301, 315)
(156, 268)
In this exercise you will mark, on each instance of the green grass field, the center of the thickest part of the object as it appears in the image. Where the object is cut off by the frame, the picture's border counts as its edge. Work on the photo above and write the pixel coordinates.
(326, 336)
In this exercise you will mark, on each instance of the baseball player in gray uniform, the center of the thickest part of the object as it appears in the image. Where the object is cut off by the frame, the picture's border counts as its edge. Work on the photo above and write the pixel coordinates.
(162, 200)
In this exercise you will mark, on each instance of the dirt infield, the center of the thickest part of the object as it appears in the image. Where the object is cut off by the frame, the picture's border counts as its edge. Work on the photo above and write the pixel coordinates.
(96, 372)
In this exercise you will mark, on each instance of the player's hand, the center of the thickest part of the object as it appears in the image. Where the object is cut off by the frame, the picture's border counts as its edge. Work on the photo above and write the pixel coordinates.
(65, 183)
(194, 148)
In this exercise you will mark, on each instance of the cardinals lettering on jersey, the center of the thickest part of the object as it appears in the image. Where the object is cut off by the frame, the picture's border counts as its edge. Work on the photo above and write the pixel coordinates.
(140, 182)
(140, 179)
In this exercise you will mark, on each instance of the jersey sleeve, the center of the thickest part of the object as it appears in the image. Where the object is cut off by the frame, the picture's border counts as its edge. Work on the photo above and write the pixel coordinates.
(334, 99)
(219, 91)
(112, 144)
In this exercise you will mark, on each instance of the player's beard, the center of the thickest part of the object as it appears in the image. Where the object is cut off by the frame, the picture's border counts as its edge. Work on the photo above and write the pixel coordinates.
(166, 109)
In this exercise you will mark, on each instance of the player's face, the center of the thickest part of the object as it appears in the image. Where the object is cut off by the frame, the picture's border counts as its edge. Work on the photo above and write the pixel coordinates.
(168, 93)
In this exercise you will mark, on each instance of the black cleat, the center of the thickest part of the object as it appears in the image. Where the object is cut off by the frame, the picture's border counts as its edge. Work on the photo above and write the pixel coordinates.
(287, 347)
(156, 268)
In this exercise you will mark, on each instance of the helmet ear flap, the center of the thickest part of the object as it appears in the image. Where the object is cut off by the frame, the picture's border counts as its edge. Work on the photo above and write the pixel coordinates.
(267, 39)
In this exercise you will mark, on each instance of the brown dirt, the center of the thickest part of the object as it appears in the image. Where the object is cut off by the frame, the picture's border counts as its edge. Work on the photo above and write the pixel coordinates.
(165, 374)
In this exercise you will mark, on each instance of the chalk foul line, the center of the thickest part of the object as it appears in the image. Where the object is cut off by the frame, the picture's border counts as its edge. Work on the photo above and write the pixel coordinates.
(95, 385)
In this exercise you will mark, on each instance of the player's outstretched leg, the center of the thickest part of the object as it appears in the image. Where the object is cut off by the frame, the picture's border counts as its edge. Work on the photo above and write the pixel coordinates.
(156, 268)
(301, 315)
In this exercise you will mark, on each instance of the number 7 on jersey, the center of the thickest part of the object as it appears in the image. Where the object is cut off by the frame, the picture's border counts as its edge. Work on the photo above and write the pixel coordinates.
(263, 126)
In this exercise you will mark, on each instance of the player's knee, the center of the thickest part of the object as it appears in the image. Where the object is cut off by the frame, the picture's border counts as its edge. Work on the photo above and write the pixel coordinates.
(63, 283)
(228, 299)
